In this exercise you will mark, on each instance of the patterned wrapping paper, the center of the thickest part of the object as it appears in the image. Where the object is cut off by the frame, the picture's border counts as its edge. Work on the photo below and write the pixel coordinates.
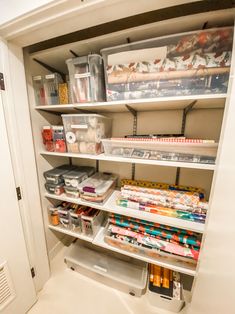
(180, 197)
(158, 185)
(153, 231)
(151, 242)
(153, 224)
(163, 211)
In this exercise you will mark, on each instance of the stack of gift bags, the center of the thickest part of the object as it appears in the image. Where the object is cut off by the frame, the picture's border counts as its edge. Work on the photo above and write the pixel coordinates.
(153, 236)
(164, 199)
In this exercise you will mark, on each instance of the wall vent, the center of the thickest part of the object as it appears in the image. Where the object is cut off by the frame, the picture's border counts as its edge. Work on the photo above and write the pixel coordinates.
(7, 292)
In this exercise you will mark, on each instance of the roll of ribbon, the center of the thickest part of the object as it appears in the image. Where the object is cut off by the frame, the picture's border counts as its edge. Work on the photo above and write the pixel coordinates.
(70, 137)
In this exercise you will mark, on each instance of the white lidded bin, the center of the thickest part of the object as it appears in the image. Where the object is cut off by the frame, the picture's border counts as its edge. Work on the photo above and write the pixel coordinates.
(129, 276)
(201, 151)
(84, 132)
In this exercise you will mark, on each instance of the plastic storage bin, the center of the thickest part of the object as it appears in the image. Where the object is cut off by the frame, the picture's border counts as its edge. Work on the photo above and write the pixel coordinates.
(51, 87)
(91, 224)
(198, 151)
(55, 176)
(71, 191)
(74, 177)
(84, 132)
(129, 276)
(54, 138)
(39, 92)
(190, 63)
(168, 299)
(86, 78)
(56, 189)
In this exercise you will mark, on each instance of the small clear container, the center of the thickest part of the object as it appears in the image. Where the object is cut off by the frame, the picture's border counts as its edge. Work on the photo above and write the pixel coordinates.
(39, 92)
(73, 178)
(53, 216)
(56, 189)
(86, 78)
(51, 86)
(55, 176)
(91, 223)
(84, 132)
(71, 191)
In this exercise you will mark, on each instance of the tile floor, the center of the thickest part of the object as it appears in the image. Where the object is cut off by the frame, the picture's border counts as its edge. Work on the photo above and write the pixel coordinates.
(67, 292)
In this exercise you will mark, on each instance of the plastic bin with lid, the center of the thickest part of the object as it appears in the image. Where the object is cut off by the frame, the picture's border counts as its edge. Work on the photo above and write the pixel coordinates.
(186, 150)
(51, 87)
(74, 177)
(191, 63)
(56, 189)
(84, 132)
(71, 191)
(128, 275)
(86, 78)
(55, 176)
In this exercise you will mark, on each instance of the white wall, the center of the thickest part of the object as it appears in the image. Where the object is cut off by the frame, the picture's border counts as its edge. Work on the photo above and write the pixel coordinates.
(14, 8)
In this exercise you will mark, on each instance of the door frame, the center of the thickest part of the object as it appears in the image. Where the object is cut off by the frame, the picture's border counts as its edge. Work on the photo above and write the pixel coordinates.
(15, 104)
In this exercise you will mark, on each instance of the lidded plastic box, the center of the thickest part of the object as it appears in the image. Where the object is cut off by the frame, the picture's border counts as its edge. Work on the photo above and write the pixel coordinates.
(55, 176)
(74, 177)
(86, 78)
(125, 274)
(51, 86)
(39, 92)
(57, 189)
(84, 132)
(191, 63)
(71, 191)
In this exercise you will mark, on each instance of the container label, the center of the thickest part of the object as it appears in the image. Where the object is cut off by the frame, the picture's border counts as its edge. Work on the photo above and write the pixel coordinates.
(50, 76)
(79, 126)
(82, 75)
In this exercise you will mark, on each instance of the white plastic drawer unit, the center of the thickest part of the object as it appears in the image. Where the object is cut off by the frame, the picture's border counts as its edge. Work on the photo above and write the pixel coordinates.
(128, 276)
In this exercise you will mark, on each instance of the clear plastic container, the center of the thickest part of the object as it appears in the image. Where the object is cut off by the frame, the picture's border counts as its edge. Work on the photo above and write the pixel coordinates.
(128, 275)
(55, 176)
(91, 224)
(73, 178)
(56, 189)
(71, 191)
(84, 132)
(86, 78)
(192, 63)
(53, 216)
(64, 217)
(160, 150)
(39, 92)
(51, 87)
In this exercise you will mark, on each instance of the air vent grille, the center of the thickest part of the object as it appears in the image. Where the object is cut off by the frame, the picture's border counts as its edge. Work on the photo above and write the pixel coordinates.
(7, 293)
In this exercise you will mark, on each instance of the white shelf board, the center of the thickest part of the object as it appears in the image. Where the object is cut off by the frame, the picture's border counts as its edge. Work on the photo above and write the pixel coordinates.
(150, 104)
(103, 157)
(111, 206)
(70, 233)
(180, 266)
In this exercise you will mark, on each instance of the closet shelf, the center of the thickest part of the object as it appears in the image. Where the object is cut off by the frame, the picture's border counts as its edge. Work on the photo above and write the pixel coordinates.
(134, 160)
(211, 101)
(180, 266)
(111, 206)
(71, 233)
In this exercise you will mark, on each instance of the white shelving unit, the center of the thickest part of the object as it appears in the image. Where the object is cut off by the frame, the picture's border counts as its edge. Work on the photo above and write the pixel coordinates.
(133, 160)
(111, 206)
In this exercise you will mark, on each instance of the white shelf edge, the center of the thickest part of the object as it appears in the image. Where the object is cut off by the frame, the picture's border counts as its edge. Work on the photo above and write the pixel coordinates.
(131, 102)
(70, 233)
(98, 240)
(188, 269)
(111, 207)
(152, 162)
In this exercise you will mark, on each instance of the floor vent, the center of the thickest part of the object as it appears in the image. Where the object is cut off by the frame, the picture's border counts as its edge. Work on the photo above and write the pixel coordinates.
(7, 293)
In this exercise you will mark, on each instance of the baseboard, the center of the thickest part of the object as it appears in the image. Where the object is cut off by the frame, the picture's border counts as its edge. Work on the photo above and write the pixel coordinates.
(55, 250)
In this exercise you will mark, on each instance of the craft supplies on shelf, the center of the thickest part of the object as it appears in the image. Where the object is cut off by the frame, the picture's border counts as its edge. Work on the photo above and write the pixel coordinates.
(98, 187)
(77, 218)
(184, 64)
(66, 179)
(152, 239)
(54, 138)
(165, 289)
(51, 87)
(167, 200)
(39, 92)
(126, 274)
(84, 132)
(170, 149)
(86, 78)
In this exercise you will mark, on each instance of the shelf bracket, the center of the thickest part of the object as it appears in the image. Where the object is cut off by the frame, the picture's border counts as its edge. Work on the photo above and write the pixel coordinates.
(134, 113)
(83, 110)
(183, 125)
(50, 68)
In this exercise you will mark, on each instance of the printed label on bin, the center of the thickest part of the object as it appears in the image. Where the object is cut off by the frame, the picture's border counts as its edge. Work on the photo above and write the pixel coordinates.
(79, 126)
(82, 75)
(50, 76)
(37, 78)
